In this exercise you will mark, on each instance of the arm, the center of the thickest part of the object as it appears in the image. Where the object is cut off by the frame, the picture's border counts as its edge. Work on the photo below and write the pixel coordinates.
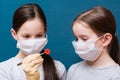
(61, 70)
(5, 71)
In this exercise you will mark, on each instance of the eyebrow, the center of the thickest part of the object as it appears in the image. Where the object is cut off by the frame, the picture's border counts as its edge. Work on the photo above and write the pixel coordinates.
(36, 33)
(40, 32)
(83, 36)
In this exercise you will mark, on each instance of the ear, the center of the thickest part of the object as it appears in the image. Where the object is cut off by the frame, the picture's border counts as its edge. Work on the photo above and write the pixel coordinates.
(107, 39)
(13, 33)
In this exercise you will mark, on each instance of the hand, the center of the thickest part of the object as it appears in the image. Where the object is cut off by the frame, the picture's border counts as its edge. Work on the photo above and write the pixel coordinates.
(30, 66)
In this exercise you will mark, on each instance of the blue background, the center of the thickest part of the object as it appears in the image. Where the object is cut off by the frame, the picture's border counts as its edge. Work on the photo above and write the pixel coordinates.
(60, 14)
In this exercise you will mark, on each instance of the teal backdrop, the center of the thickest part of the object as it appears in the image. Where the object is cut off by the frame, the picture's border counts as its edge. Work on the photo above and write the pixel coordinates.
(59, 14)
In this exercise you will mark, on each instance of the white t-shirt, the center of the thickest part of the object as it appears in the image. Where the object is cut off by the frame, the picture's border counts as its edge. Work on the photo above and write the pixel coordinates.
(82, 71)
(10, 71)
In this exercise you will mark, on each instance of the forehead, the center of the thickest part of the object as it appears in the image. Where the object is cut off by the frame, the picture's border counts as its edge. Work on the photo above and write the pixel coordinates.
(80, 28)
(32, 26)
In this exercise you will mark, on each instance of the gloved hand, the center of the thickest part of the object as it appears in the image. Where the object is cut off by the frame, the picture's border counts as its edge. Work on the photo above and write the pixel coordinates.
(30, 66)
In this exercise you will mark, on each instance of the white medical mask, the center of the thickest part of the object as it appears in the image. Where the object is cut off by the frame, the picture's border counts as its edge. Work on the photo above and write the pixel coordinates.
(87, 50)
(32, 46)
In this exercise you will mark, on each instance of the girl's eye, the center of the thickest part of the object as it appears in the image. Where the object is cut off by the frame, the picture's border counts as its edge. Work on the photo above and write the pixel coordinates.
(84, 39)
(26, 36)
(39, 36)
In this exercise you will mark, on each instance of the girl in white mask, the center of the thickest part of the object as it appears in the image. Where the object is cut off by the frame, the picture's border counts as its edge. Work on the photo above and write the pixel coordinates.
(29, 30)
(97, 45)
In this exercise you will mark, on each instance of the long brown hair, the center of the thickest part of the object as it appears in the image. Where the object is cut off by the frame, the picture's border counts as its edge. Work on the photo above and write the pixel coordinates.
(29, 12)
(102, 21)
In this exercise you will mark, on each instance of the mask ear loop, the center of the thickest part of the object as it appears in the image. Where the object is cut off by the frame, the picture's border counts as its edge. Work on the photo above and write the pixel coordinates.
(98, 39)
(101, 37)
(46, 36)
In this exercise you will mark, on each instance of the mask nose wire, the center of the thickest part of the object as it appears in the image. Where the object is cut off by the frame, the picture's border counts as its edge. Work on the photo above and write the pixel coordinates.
(46, 36)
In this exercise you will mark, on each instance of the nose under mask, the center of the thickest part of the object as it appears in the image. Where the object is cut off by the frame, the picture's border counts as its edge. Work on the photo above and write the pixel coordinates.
(87, 51)
(32, 46)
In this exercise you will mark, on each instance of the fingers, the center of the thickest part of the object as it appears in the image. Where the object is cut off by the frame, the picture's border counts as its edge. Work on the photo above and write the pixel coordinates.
(31, 58)
(36, 62)
(31, 63)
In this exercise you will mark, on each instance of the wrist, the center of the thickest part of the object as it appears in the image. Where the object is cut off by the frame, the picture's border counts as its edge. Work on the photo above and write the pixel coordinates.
(35, 76)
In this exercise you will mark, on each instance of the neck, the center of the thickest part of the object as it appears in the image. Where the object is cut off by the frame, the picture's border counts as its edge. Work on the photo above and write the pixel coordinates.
(20, 55)
(103, 61)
